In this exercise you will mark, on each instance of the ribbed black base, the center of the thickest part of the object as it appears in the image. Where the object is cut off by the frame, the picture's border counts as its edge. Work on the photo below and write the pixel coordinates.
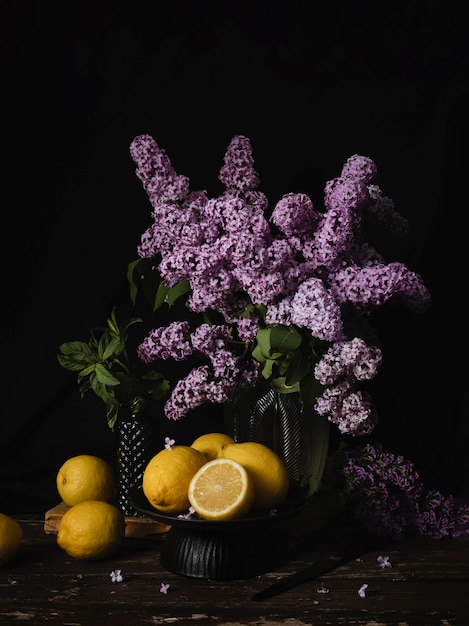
(223, 554)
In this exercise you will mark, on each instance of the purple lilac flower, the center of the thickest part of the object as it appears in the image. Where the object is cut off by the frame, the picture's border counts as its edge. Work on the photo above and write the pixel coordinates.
(350, 409)
(238, 171)
(314, 308)
(154, 169)
(362, 591)
(169, 443)
(310, 272)
(347, 194)
(212, 291)
(332, 240)
(168, 342)
(439, 516)
(187, 394)
(369, 287)
(389, 496)
(348, 358)
(164, 588)
(190, 513)
(247, 328)
(116, 576)
(198, 387)
(294, 214)
(382, 209)
(360, 168)
(322, 588)
(384, 562)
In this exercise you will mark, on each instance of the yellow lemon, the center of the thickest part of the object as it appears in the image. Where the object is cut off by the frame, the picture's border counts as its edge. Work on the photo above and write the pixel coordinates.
(211, 443)
(11, 535)
(91, 530)
(85, 477)
(221, 490)
(167, 476)
(268, 471)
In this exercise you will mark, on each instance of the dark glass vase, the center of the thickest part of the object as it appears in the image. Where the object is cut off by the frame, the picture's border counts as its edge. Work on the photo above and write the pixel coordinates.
(280, 421)
(137, 441)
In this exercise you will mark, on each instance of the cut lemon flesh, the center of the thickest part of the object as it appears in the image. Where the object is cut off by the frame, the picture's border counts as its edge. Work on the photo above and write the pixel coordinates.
(221, 490)
(267, 470)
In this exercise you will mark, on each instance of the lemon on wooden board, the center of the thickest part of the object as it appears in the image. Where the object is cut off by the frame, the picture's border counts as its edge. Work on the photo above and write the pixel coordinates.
(222, 489)
(210, 444)
(11, 536)
(267, 469)
(167, 476)
(91, 530)
(86, 477)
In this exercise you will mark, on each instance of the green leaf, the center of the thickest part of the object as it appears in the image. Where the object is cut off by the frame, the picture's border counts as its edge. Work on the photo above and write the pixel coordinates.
(124, 329)
(267, 370)
(98, 387)
(70, 363)
(143, 276)
(264, 344)
(284, 338)
(115, 347)
(298, 367)
(77, 349)
(112, 323)
(132, 273)
(90, 369)
(100, 367)
(104, 376)
(310, 390)
(180, 289)
(279, 384)
(160, 297)
(257, 354)
(111, 414)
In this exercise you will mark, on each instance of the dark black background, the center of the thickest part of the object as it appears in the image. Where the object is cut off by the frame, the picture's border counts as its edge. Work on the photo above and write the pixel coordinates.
(310, 84)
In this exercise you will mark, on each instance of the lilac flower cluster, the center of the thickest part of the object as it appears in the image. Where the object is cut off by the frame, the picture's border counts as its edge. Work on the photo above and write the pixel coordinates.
(303, 269)
(388, 494)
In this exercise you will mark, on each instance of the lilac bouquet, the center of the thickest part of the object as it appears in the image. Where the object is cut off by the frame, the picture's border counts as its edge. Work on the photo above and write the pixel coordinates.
(387, 493)
(284, 295)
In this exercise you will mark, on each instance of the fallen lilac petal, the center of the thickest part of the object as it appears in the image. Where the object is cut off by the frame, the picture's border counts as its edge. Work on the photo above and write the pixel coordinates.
(322, 589)
(187, 515)
(164, 588)
(168, 443)
(384, 561)
(116, 576)
(361, 591)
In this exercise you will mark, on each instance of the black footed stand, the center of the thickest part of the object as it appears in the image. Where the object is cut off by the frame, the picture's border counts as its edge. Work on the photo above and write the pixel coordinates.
(219, 554)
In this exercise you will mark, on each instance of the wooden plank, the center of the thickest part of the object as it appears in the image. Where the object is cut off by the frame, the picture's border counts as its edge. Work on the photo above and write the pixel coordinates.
(428, 585)
(134, 526)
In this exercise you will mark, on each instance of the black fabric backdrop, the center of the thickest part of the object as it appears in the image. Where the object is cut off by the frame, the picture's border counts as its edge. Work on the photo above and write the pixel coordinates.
(310, 84)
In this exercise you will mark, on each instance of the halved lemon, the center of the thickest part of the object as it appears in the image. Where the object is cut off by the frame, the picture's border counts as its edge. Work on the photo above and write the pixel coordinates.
(221, 490)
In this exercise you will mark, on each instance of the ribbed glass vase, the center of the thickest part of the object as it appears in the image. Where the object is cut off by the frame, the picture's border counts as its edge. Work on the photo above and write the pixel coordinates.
(137, 441)
(280, 421)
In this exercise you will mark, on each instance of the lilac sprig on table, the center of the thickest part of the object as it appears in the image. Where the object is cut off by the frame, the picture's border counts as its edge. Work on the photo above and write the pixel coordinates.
(386, 493)
(285, 293)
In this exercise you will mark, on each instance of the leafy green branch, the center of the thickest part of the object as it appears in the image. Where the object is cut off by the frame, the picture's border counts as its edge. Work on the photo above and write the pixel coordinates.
(103, 366)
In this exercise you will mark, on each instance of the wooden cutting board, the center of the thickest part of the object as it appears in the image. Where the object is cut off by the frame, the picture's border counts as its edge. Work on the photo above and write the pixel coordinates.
(134, 526)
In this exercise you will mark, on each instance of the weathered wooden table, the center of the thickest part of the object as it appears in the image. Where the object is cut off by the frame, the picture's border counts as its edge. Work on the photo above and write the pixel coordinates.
(427, 584)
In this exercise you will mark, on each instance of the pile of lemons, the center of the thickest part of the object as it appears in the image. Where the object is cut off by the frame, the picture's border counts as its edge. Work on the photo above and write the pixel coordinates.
(92, 528)
(220, 478)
